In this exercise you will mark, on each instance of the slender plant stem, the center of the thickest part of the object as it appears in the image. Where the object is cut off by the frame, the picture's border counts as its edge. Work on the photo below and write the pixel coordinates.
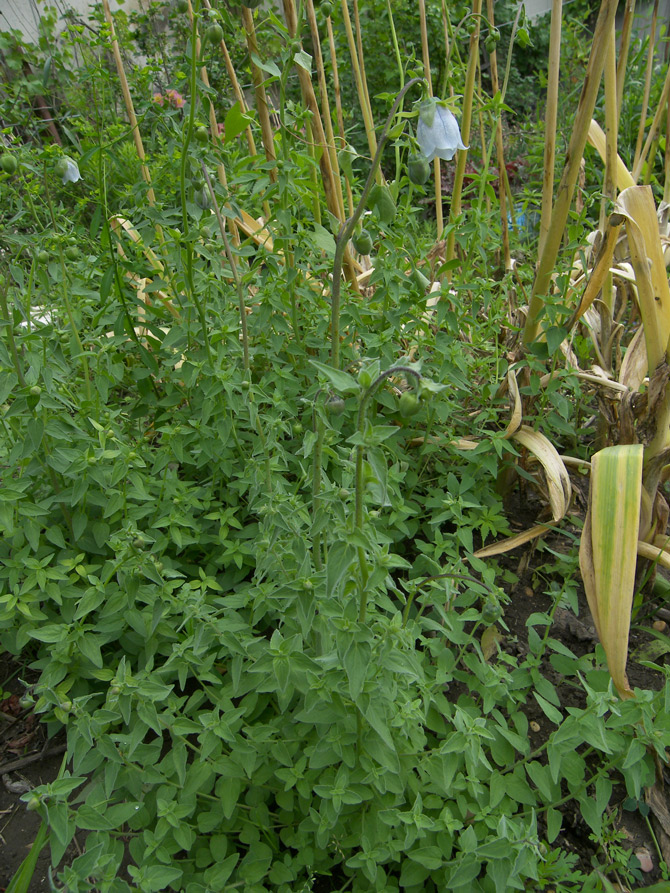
(349, 225)
(233, 266)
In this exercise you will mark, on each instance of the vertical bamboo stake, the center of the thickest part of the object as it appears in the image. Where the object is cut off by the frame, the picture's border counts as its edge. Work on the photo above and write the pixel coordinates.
(566, 187)
(466, 121)
(446, 25)
(361, 58)
(309, 98)
(367, 117)
(626, 31)
(666, 159)
(609, 180)
(214, 127)
(439, 220)
(651, 52)
(500, 154)
(130, 110)
(259, 89)
(237, 90)
(325, 104)
(653, 130)
(338, 105)
(554, 65)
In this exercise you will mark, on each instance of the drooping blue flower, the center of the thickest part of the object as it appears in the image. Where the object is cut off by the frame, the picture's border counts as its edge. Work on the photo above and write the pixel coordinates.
(437, 133)
(68, 170)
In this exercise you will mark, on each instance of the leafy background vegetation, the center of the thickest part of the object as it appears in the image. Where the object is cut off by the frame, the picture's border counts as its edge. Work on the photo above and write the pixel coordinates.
(242, 576)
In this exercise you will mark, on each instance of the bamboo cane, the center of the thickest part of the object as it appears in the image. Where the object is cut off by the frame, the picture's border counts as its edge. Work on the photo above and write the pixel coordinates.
(571, 170)
(325, 103)
(259, 90)
(626, 31)
(237, 90)
(367, 116)
(500, 154)
(553, 69)
(338, 105)
(651, 52)
(466, 120)
(130, 109)
(439, 219)
(309, 98)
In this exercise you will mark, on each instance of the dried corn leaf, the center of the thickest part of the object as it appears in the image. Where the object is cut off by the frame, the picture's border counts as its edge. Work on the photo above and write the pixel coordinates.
(558, 479)
(636, 204)
(512, 542)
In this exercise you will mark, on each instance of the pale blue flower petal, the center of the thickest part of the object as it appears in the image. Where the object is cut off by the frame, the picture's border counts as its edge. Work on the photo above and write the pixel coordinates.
(71, 173)
(442, 138)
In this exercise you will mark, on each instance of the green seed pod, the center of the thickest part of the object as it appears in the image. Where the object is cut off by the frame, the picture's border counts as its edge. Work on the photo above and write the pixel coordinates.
(491, 612)
(42, 257)
(61, 168)
(418, 168)
(363, 242)
(8, 163)
(335, 405)
(214, 34)
(490, 44)
(201, 134)
(72, 252)
(326, 8)
(522, 38)
(382, 200)
(408, 404)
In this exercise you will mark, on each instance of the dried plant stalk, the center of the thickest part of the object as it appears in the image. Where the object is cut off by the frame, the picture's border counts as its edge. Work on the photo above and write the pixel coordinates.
(566, 187)
(325, 103)
(626, 31)
(651, 52)
(439, 218)
(500, 152)
(237, 90)
(466, 121)
(358, 78)
(130, 109)
(553, 68)
(259, 90)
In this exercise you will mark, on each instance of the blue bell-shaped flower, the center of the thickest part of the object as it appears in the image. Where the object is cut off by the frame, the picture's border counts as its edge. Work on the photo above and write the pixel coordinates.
(437, 133)
(68, 170)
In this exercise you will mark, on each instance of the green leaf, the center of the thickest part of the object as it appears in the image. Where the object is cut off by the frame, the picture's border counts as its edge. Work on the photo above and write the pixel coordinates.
(554, 821)
(429, 856)
(548, 709)
(341, 381)
(304, 60)
(340, 558)
(22, 880)
(235, 122)
(356, 660)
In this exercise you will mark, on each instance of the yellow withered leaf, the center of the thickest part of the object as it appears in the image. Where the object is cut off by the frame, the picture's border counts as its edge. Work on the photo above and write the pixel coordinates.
(636, 204)
(607, 553)
(558, 479)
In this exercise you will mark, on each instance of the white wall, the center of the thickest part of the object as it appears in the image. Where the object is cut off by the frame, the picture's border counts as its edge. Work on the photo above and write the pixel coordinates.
(24, 15)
